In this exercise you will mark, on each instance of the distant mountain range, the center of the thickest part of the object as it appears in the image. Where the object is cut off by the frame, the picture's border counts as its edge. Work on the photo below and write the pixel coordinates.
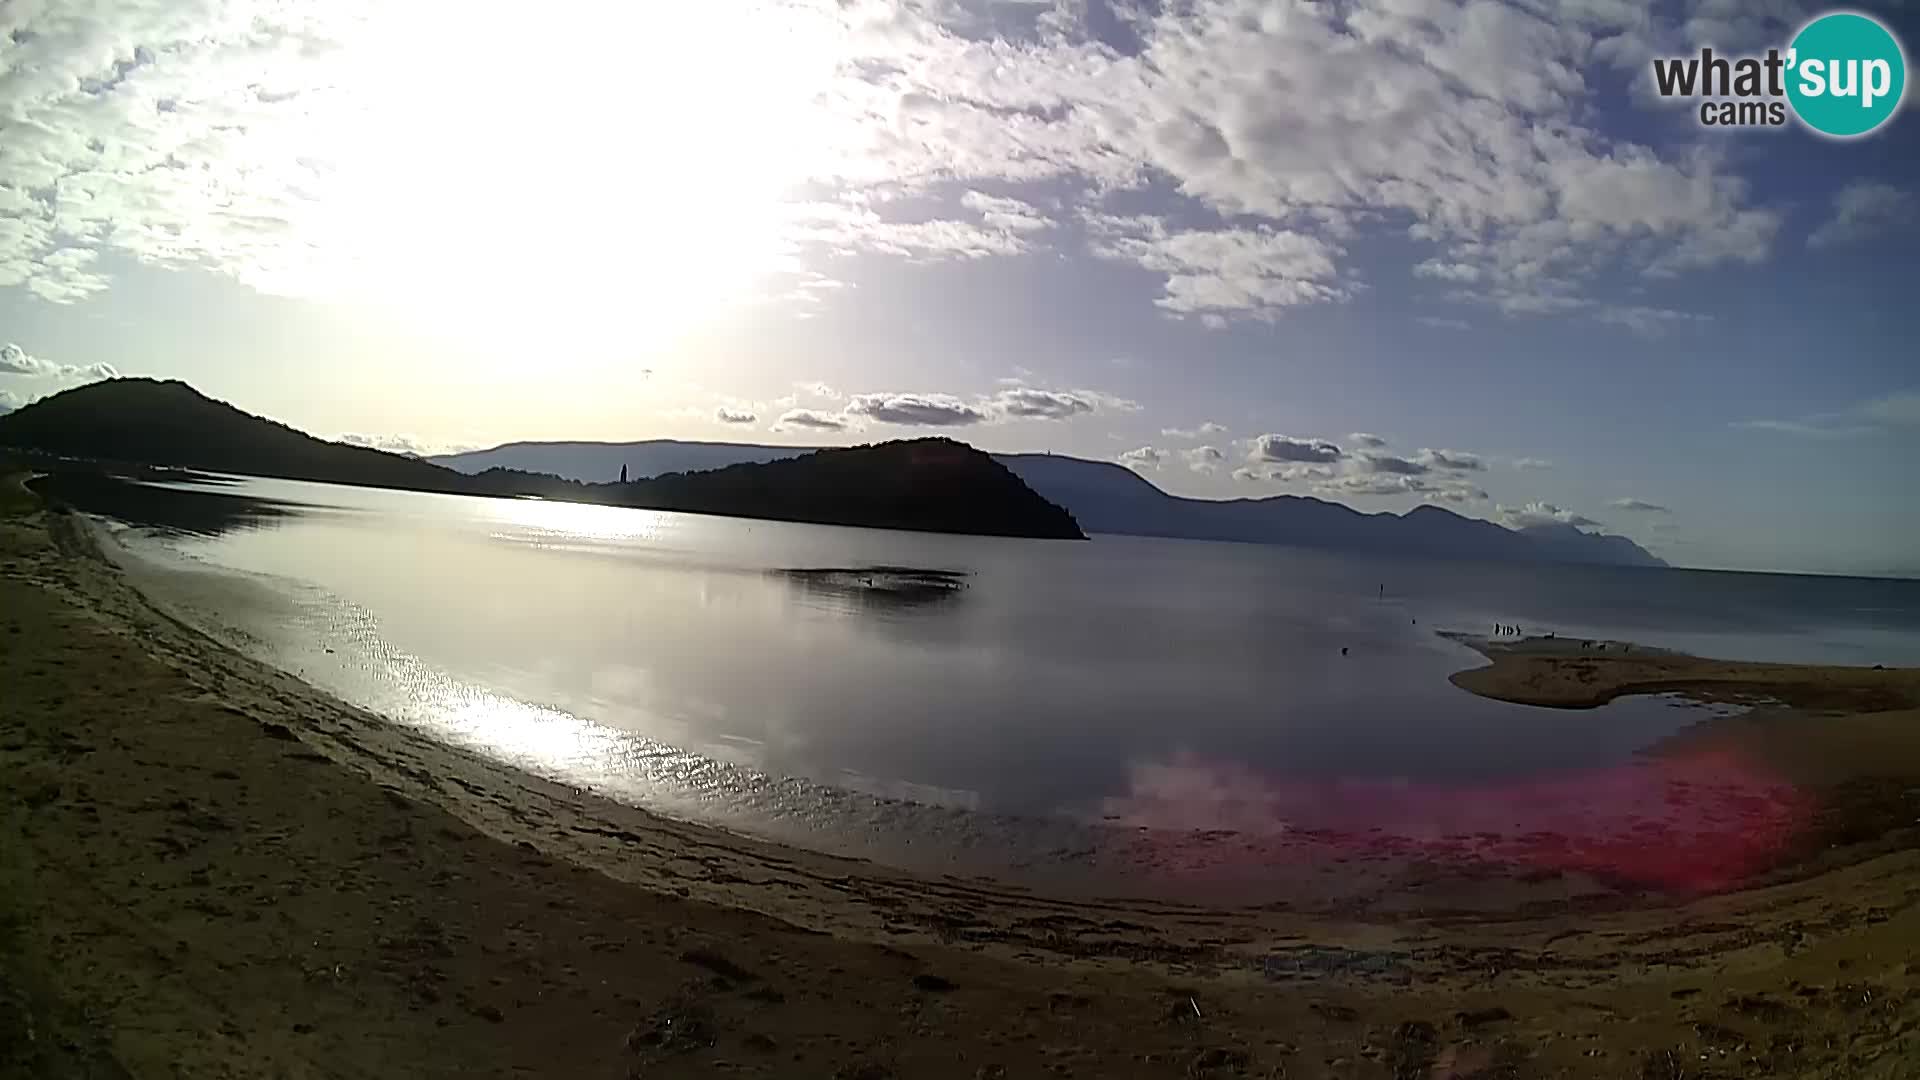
(934, 485)
(1109, 498)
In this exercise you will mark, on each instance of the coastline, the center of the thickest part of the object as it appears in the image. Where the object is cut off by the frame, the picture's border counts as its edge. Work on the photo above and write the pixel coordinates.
(252, 852)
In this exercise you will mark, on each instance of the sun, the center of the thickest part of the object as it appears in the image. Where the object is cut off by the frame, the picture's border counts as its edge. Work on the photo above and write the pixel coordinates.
(608, 177)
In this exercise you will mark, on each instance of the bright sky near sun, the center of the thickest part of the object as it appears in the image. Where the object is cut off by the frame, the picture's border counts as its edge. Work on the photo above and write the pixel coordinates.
(1378, 251)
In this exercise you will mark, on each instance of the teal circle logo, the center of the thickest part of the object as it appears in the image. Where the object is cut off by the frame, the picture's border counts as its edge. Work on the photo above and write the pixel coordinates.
(1846, 74)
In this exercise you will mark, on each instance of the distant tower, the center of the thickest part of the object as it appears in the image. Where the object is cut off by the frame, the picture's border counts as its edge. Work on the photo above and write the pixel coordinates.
(623, 474)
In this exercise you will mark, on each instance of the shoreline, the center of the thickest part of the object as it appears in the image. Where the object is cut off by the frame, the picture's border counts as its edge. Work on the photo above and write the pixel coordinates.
(878, 970)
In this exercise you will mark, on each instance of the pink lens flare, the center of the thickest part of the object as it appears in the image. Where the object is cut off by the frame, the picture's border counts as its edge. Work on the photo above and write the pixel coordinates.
(1693, 822)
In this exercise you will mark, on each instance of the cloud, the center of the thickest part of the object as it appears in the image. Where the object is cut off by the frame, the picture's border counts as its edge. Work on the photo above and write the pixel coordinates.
(1028, 403)
(916, 410)
(1901, 409)
(1450, 460)
(1874, 416)
(1204, 459)
(277, 146)
(1639, 506)
(1256, 272)
(811, 418)
(1205, 429)
(1287, 448)
(1386, 484)
(10, 401)
(1532, 463)
(1014, 401)
(397, 444)
(735, 416)
(816, 389)
(1006, 214)
(1373, 462)
(15, 360)
(1863, 210)
(1142, 458)
(1541, 513)
(1366, 441)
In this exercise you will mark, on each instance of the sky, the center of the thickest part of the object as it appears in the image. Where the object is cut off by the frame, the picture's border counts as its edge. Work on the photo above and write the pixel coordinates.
(1384, 252)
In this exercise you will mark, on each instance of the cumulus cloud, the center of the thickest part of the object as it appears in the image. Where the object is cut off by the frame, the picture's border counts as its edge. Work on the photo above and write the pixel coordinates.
(1014, 401)
(1142, 458)
(816, 389)
(278, 145)
(916, 410)
(1433, 489)
(1450, 460)
(1639, 506)
(1025, 402)
(1374, 462)
(1366, 441)
(393, 444)
(811, 418)
(1288, 448)
(735, 416)
(15, 360)
(1863, 210)
(1204, 459)
(1204, 429)
(10, 401)
(1541, 513)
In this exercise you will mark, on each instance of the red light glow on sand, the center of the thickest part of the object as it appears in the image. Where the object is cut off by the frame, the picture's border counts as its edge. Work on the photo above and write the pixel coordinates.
(1689, 823)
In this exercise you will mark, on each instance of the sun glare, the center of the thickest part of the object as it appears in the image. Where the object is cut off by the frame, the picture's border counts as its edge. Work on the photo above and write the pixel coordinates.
(606, 186)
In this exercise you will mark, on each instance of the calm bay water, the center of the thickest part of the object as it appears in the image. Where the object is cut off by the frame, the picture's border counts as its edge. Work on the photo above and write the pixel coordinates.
(974, 703)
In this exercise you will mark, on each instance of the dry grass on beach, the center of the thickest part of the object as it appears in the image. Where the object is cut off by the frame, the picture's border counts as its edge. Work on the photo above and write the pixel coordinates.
(208, 869)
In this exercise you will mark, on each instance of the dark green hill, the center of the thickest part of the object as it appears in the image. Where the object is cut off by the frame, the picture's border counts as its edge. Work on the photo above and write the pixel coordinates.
(149, 422)
(936, 485)
(933, 485)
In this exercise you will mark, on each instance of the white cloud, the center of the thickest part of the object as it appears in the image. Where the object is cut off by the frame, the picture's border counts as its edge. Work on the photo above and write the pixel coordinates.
(735, 416)
(1288, 448)
(1430, 488)
(816, 389)
(10, 401)
(1204, 459)
(1366, 440)
(395, 444)
(1450, 460)
(1541, 513)
(1028, 403)
(1863, 210)
(1255, 272)
(1532, 463)
(1204, 429)
(1142, 458)
(280, 145)
(15, 360)
(916, 410)
(812, 419)
(1639, 506)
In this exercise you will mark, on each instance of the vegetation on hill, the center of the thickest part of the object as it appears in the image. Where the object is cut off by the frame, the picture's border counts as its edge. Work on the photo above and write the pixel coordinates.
(936, 485)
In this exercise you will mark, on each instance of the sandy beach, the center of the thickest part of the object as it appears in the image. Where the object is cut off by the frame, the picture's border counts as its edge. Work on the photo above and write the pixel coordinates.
(211, 869)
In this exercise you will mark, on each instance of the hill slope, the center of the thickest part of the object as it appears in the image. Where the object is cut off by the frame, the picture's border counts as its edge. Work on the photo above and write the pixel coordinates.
(1104, 497)
(150, 422)
(931, 484)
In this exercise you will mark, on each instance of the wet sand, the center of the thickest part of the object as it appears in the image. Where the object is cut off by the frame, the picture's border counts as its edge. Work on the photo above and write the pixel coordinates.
(209, 869)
